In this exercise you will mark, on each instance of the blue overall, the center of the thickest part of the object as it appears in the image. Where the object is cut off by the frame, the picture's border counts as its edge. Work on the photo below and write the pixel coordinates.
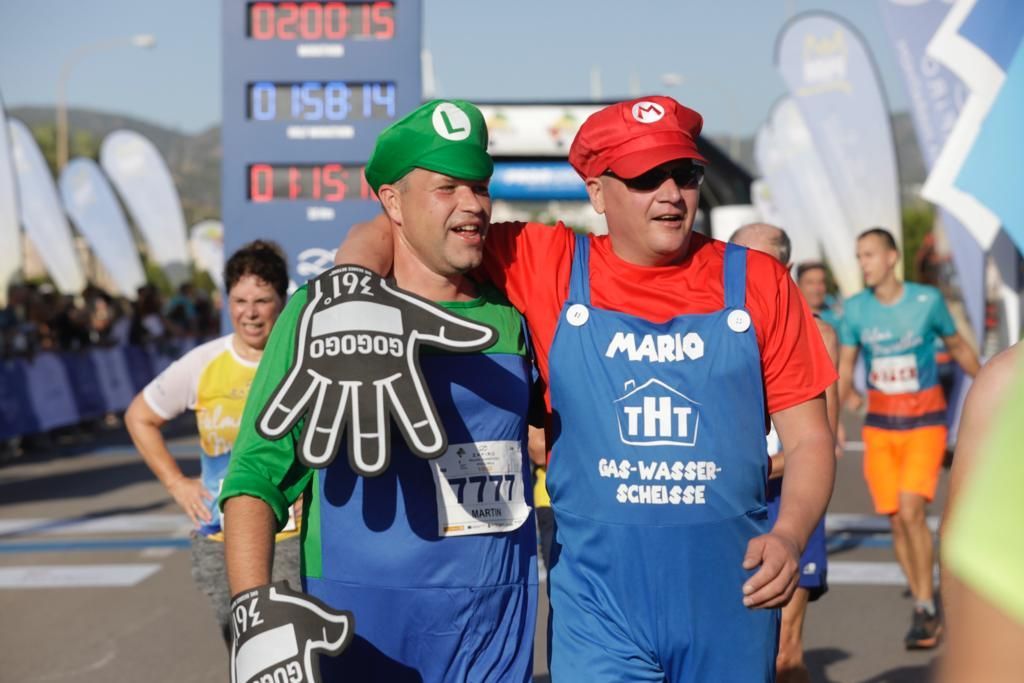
(657, 480)
(430, 609)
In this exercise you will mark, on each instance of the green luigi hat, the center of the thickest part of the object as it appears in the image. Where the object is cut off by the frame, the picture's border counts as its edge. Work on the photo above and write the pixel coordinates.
(445, 136)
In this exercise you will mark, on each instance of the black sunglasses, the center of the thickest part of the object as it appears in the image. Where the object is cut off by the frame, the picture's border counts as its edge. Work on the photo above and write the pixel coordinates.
(687, 177)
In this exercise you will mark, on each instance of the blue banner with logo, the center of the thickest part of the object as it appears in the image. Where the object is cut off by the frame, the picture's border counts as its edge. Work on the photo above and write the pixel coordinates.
(812, 191)
(52, 390)
(936, 97)
(140, 370)
(976, 41)
(990, 173)
(85, 385)
(115, 380)
(49, 391)
(537, 181)
(996, 27)
(832, 77)
(16, 415)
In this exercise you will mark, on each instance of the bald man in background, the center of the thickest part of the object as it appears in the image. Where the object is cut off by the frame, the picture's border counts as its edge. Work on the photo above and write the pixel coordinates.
(789, 663)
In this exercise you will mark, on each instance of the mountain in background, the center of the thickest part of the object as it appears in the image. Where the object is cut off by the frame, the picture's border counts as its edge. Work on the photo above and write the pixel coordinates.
(194, 160)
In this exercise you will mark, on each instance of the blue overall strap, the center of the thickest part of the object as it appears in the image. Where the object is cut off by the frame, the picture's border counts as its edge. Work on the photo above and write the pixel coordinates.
(579, 279)
(735, 274)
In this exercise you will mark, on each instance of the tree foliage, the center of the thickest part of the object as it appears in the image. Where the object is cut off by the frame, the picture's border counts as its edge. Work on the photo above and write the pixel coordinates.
(918, 220)
(81, 143)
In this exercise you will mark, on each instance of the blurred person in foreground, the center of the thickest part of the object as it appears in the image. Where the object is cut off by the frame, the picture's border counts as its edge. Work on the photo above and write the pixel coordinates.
(789, 663)
(896, 324)
(982, 544)
(213, 380)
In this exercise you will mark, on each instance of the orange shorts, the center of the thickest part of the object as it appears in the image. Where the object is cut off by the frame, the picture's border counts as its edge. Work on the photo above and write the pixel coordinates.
(902, 460)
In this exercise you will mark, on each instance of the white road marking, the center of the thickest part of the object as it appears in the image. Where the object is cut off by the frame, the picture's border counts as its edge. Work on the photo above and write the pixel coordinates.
(866, 574)
(175, 524)
(75, 575)
(867, 523)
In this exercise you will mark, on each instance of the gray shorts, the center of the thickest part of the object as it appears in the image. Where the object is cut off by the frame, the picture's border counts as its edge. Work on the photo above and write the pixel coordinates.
(210, 573)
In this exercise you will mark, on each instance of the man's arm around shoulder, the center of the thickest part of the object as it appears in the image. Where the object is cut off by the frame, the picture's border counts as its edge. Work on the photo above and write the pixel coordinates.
(370, 244)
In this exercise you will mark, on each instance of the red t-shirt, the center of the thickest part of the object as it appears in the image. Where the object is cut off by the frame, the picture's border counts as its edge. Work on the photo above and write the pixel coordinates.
(532, 263)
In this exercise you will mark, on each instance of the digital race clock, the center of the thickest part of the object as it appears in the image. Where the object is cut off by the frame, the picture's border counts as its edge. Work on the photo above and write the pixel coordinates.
(318, 21)
(307, 88)
(316, 101)
(318, 182)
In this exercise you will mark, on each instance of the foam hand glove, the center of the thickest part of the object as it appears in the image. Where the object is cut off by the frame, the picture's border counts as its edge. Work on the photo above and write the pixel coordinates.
(357, 363)
(277, 633)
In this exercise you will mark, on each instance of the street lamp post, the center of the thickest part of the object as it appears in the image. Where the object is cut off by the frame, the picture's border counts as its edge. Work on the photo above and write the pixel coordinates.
(142, 40)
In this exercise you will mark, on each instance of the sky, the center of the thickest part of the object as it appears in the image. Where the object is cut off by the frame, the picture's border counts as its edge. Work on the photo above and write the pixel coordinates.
(720, 51)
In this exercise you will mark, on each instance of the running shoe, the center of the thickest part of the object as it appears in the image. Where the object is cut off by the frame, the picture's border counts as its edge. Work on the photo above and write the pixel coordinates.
(925, 630)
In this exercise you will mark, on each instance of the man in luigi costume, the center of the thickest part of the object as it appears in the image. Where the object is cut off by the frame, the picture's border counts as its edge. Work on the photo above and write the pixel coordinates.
(435, 558)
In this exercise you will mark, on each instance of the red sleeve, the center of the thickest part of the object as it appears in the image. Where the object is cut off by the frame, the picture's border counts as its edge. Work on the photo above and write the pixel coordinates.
(794, 361)
(530, 263)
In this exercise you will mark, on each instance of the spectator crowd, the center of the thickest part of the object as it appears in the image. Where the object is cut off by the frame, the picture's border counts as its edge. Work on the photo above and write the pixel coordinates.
(39, 318)
(38, 321)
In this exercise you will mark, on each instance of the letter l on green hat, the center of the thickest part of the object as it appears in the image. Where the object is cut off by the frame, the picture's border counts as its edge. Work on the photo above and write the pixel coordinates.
(444, 136)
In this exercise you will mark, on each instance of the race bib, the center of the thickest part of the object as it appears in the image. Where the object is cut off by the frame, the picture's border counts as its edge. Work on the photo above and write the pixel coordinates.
(895, 374)
(480, 488)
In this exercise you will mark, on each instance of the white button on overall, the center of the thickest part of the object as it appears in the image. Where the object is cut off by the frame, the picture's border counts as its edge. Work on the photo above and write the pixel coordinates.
(739, 321)
(577, 315)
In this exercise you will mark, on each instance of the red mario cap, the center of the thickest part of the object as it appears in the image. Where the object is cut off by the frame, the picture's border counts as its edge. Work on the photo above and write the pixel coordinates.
(630, 138)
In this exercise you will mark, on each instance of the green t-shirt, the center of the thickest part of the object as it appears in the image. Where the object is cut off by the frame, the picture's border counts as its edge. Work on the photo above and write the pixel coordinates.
(268, 469)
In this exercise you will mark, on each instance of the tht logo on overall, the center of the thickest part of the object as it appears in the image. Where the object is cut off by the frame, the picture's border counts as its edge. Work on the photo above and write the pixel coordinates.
(655, 414)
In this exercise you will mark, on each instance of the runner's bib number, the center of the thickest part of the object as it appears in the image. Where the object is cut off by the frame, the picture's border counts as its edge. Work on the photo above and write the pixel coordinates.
(895, 374)
(480, 488)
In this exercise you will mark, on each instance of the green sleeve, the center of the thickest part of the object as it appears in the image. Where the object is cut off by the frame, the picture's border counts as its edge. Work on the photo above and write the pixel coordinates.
(982, 543)
(259, 467)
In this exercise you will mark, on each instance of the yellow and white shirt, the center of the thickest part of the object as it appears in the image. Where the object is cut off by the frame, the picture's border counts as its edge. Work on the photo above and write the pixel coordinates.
(213, 380)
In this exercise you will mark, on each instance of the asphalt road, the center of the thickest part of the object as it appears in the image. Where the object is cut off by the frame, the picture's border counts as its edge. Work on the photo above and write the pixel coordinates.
(95, 584)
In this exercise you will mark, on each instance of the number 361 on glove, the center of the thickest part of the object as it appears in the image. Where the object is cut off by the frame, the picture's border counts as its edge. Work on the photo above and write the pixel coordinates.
(278, 634)
(357, 363)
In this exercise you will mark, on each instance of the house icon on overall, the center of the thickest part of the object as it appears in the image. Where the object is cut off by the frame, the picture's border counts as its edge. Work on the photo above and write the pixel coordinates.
(655, 414)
